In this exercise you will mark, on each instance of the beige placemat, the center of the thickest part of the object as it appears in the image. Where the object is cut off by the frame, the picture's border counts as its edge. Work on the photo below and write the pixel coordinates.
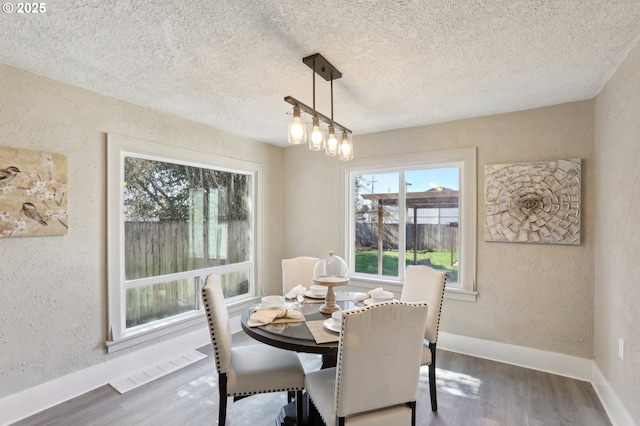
(321, 334)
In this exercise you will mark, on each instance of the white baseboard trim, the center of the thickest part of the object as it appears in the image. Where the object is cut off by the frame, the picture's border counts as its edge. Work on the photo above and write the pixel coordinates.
(616, 411)
(550, 362)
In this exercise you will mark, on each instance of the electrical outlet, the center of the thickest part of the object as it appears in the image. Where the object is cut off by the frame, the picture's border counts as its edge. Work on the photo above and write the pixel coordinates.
(621, 348)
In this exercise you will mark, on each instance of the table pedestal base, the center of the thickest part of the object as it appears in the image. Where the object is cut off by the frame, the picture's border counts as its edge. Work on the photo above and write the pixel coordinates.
(329, 361)
(287, 414)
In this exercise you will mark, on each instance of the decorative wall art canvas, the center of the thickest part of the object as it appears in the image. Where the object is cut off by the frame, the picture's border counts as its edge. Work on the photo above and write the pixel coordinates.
(536, 202)
(33, 193)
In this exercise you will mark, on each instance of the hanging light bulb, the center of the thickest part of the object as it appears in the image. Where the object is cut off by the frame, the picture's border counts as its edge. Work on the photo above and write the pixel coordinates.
(296, 127)
(332, 143)
(346, 147)
(316, 140)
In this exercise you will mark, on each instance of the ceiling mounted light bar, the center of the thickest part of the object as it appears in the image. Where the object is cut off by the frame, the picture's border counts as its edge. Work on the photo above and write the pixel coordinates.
(321, 134)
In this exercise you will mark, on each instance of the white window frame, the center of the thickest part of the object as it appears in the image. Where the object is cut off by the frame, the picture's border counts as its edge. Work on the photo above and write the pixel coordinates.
(466, 160)
(119, 147)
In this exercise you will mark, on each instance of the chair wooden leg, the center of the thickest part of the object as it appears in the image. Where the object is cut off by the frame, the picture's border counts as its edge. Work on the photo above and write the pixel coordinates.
(299, 408)
(311, 419)
(412, 405)
(432, 378)
(222, 388)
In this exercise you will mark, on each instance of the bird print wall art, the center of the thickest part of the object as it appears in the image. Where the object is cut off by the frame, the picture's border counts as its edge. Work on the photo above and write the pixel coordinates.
(33, 193)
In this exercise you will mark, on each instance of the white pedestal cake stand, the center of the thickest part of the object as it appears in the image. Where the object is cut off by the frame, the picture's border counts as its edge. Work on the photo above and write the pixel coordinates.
(329, 306)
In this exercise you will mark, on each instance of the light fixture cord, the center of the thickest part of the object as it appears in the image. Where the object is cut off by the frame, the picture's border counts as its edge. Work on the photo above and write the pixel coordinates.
(314, 85)
(331, 98)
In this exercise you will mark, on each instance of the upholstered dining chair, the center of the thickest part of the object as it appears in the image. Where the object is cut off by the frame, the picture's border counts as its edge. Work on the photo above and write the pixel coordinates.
(375, 381)
(425, 284)
(247, 370)
(297, 270)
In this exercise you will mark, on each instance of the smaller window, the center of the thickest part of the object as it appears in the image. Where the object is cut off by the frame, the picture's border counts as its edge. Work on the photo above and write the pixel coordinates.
(412, 210)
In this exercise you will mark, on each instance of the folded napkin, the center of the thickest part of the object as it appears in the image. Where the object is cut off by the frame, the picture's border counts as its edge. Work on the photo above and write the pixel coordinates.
(376, 293)
(274, 315)
(295, 292)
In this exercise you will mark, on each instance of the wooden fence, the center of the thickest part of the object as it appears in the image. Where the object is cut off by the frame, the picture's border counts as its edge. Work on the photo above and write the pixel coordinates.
(431, 237)
(158, 248)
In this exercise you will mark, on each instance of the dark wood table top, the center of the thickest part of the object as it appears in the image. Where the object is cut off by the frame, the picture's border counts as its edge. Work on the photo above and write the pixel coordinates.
(296, 336)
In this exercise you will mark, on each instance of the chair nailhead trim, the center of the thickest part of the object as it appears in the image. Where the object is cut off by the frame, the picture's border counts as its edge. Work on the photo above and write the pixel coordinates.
(339, 360)
(214, 338)
(440, 310)
(264, 391)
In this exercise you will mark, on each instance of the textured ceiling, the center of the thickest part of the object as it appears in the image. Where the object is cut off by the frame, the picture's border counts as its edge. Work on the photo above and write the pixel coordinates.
(229, 64)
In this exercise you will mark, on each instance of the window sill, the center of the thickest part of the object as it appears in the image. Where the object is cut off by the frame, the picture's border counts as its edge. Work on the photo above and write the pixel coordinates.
(460, 294)
(454, 293)
(368, 282)
(196, 319)
(241, 305)
(160, 330)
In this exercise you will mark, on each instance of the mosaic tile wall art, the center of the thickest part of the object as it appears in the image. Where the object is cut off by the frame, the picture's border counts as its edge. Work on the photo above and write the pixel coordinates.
(537, 202)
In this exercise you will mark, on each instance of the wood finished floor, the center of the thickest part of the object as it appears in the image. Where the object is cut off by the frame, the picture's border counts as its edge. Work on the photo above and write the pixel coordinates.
(471, 391)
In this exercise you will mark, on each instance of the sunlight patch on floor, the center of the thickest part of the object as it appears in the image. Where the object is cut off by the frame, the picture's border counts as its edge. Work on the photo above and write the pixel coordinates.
(458, 384)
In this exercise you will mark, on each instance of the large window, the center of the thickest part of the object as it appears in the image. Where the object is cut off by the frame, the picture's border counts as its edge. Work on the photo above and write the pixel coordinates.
(175, 216)
(418, 210)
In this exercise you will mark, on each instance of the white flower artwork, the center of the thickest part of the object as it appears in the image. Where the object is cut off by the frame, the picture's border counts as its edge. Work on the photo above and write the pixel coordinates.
(33, 193)
(536, 202)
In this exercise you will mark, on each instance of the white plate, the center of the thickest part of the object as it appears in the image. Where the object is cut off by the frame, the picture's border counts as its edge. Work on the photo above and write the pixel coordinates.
(330, 325)
(314, 296)
(370, 302)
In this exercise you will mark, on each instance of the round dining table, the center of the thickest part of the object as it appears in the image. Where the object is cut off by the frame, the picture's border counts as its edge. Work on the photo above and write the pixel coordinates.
(296, 336)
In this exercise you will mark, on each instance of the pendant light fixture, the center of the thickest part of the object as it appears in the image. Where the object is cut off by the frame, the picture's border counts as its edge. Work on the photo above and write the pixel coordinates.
(323, 133)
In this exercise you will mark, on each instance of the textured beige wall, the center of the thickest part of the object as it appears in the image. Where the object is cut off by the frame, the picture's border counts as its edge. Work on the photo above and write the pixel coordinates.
(53, 289)
(539, 296)
(617, 296)
(311, 197)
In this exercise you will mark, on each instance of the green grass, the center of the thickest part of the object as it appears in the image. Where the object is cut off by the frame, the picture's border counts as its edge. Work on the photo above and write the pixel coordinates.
(367, 262)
